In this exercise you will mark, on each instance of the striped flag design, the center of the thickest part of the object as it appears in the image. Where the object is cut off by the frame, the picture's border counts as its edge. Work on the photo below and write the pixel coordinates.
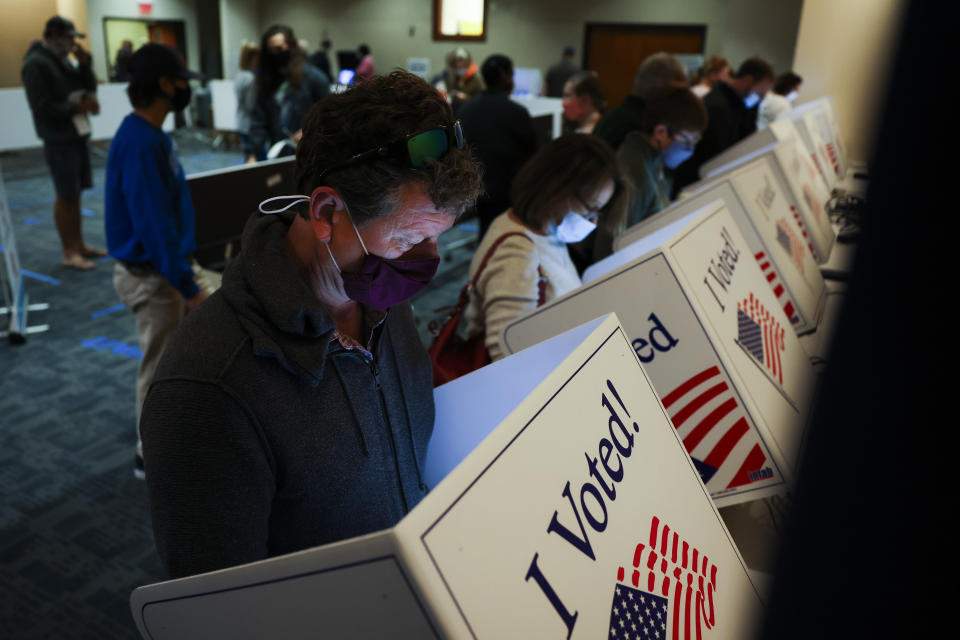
(715, 431)
(826, 133)
(773, 278)
(790, 242)
(677, 598)
(811, 201)
(803, 230)
(761, 335)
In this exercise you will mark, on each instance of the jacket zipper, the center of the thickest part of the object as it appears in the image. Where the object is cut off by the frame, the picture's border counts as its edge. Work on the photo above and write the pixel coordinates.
(393, 445)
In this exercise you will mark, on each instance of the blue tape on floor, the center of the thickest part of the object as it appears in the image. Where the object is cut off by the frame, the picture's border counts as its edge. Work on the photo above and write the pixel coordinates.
(88, 212)
(103, 343)
(469, 226)
(116, 307)
(32, 221)
(49, 199)
(40, 277)
(31, 203)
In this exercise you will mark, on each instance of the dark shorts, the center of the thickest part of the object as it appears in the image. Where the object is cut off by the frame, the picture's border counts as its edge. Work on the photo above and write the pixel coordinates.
(69, 164)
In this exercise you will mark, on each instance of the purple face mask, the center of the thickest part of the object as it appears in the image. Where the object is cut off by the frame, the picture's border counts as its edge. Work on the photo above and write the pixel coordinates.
(381, 283)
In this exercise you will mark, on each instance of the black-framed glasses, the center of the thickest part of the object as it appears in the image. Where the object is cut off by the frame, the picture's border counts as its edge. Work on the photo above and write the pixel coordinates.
(415, 148)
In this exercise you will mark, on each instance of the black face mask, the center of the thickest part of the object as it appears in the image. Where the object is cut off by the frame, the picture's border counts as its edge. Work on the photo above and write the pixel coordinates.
(181, 98)
(280, 58)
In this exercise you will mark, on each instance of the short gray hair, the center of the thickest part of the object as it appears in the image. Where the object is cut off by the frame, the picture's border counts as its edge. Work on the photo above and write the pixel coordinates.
(656, 72)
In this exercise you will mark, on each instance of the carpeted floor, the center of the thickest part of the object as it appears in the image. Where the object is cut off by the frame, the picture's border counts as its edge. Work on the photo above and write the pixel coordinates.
(75, 535)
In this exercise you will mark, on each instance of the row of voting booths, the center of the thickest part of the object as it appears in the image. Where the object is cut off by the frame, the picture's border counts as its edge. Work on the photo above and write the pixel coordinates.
(609, 477)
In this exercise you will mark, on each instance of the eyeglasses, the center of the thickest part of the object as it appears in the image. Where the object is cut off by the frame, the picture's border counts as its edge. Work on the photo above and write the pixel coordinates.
(415, 148)
(590, 213)
(687, 141)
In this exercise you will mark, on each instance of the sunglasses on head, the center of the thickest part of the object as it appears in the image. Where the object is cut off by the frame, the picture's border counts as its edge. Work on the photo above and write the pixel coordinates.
(414, 149)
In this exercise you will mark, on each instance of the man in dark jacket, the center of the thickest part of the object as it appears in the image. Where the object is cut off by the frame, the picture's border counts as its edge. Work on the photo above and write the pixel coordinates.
(732, 116)
(60, 96)
(502, 134)
(293, 407)
(321, 58)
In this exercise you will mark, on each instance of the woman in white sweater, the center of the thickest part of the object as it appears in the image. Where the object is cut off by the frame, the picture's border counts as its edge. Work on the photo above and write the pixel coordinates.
(558, 197)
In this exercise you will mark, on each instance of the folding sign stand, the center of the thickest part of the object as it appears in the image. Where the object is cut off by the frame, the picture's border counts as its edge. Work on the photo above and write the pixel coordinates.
(564, 505)
(11, 281)
(714, 341)
(760, 206)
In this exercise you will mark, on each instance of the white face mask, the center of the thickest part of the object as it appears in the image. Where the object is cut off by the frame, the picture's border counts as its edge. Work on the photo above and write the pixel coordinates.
(792, 96)
(573, 228)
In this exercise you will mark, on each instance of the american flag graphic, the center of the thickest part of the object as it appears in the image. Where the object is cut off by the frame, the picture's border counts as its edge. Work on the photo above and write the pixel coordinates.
(677, 598)
(826, 133)
(803, 230)
(811, 201)
(834, 160)
(715, 431)
(760, 335)
(774, 279)
(787, 239)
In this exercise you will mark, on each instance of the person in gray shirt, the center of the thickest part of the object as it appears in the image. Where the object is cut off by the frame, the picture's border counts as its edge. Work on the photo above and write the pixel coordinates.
(287, 86)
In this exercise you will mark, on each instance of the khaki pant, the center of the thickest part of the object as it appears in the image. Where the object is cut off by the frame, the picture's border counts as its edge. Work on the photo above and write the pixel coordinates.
(158, 309)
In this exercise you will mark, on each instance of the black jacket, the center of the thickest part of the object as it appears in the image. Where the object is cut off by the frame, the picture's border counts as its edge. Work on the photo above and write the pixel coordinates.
(262, 437)
(618, 122)
(49, 81)
(728, 123)
(502, 137)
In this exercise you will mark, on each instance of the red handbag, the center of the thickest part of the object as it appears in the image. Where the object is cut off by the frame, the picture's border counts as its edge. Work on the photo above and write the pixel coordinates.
(451, 355)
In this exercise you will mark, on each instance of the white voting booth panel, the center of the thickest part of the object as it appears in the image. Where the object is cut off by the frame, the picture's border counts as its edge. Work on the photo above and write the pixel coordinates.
(577, 515)
(760, 141)
(223, 96)
(795, 178)
(808, 125)
(18, 130)
(771, 233)
(820, 120)
(714, 341)
(776, 131)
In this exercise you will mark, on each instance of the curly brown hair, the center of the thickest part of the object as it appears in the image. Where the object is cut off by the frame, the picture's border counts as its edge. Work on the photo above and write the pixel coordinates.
(379, 111)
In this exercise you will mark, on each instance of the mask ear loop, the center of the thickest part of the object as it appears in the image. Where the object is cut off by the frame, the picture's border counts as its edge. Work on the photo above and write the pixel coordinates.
(327, 245)
(297, 199)
(359, 237)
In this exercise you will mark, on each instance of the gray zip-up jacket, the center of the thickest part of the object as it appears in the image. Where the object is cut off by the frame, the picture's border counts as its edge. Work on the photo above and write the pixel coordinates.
(49, 81)
(263, 436)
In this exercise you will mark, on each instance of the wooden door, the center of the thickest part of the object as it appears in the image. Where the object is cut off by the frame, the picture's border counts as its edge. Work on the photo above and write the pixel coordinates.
(615, 51)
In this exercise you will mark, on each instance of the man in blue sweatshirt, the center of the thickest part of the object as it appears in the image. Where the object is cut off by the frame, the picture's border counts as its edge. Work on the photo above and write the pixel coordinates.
(149, 214)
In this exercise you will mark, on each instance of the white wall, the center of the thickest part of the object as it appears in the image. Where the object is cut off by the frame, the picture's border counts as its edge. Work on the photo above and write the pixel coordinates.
(97, 10)
(533, 32)
(845, 50)
(239, 21)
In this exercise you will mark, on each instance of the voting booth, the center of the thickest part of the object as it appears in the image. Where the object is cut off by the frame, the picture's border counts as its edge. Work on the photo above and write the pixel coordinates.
(714, 341)
(816, 123)
(794, 177)
(769, 227)
(224, 199)
(564, 505)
